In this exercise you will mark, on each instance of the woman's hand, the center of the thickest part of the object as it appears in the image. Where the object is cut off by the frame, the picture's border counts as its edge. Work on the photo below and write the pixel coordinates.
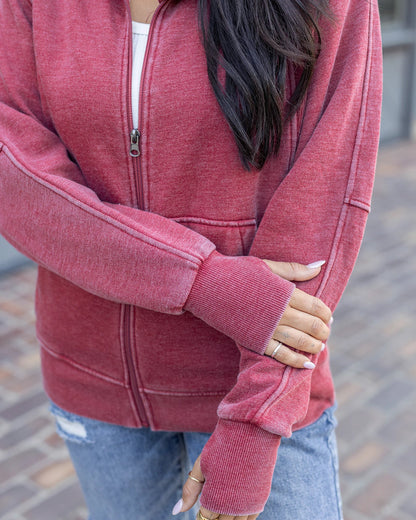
(305, 323)
(190, 493)
(303, 326)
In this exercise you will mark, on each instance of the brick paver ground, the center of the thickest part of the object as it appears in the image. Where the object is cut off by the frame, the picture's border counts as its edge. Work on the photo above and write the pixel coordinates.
(373, 348)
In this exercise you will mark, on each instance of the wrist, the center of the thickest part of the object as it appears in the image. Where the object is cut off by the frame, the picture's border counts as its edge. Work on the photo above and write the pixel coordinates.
(241, 297)
(238, 463)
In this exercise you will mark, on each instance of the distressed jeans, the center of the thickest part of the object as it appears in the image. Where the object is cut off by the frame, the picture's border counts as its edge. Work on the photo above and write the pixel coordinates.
(137, 473)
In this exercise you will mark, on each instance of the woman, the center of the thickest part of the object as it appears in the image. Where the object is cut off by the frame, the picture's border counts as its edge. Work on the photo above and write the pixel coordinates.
(164, 216)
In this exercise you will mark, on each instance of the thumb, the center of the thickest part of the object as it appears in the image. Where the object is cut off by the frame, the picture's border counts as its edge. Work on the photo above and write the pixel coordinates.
(191, 489)
(295, 272)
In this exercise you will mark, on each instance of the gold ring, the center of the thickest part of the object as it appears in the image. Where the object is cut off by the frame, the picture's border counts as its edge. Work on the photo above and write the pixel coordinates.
(195, 479)
(202, 517)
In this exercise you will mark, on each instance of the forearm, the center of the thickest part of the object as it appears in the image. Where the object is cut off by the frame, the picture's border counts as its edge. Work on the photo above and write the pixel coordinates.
(318, 212)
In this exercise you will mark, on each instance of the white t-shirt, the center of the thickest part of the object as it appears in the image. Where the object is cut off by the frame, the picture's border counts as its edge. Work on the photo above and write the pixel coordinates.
(140, 34)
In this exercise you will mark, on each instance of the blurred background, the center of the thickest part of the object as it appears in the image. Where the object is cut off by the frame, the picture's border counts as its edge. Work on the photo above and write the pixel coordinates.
(373, 343)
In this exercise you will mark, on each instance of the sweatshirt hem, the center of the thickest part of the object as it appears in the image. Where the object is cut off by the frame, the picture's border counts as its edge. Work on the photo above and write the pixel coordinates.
(64, 382)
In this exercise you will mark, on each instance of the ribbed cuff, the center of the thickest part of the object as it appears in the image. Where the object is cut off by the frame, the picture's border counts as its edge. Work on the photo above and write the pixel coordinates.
(238, 463)
(241, 297)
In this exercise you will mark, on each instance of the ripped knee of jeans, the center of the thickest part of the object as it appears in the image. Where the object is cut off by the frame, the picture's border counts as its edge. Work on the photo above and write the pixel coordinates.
(70, 427)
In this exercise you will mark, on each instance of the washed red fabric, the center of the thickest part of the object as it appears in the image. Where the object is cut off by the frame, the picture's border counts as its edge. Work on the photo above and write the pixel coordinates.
(153, 306)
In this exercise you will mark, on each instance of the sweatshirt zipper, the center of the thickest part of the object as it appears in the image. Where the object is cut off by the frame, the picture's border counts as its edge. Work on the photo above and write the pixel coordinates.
(135, 133)
(135, 152)
(141, 412)
(134, 143)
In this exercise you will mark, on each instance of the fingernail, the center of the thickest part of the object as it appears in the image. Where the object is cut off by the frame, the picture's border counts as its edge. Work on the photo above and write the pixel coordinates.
(309, 365)
(331, 321)
(323, 346)
(315, 265)
(178, 507)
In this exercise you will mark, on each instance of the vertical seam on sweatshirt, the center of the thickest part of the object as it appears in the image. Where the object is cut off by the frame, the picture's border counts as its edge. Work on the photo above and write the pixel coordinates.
(123, 346)
(145, 123)
(135, 355)
(341, 222)
(124, 114)
(354, 163)
(363, 115)
(243, 248)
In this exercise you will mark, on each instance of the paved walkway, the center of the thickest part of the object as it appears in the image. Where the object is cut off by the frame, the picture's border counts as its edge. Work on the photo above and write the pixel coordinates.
(373, 348)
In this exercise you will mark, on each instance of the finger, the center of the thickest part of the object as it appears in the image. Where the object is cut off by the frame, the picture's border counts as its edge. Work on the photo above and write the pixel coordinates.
(288, 356)
(191, 489)
(298, 340)
(293, 271)
(211, 515)
(311, 305)
(252, 517)
(304, 322)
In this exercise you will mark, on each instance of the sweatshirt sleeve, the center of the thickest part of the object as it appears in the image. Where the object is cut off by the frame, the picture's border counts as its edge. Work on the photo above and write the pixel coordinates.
(335, 160)
(113, 251)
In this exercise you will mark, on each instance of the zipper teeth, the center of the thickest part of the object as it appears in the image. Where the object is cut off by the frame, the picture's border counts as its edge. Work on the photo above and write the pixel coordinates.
(127, 308)
(130, 365)
(138, 191)
(129, 103)
(138, 179)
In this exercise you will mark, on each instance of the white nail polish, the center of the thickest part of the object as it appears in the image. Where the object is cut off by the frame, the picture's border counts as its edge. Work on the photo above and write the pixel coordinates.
(178, 506)
(309, 365)
(323, 346)
(315, 265)
(331, 321)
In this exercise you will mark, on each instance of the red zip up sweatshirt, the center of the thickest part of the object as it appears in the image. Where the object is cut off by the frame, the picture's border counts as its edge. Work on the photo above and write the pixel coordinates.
(153, 305)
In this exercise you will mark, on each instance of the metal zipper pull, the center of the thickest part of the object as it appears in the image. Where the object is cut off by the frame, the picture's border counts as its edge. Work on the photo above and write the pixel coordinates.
(135, 143)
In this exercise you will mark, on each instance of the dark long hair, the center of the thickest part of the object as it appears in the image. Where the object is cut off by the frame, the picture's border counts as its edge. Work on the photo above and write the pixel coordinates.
(253, 42)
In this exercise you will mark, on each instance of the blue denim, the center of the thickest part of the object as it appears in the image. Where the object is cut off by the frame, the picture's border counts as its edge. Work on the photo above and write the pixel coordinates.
(130, 473)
